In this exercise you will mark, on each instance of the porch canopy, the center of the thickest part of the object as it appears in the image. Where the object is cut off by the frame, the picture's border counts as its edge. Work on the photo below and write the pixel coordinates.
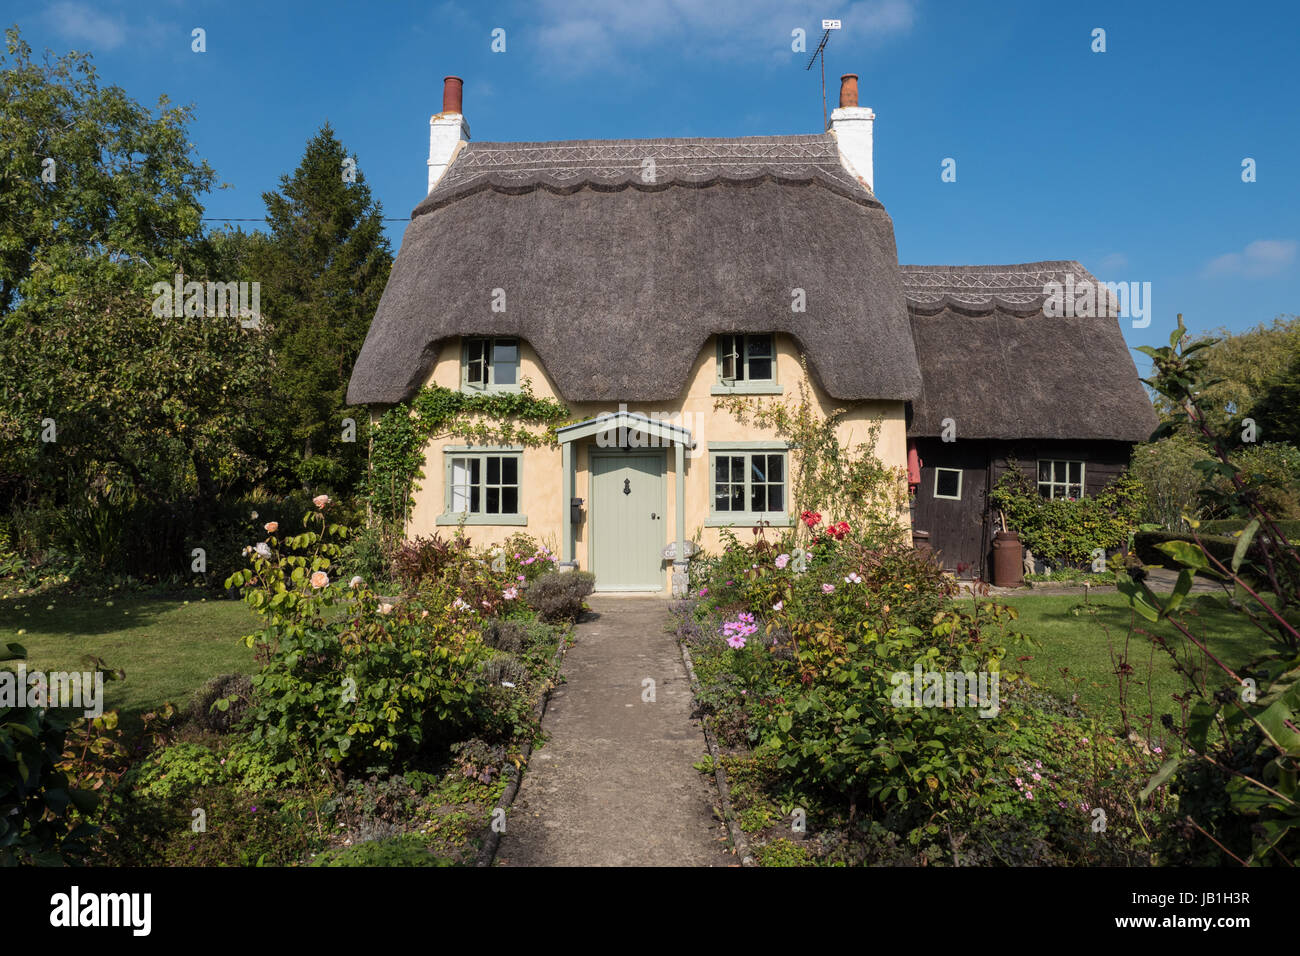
(624, 429)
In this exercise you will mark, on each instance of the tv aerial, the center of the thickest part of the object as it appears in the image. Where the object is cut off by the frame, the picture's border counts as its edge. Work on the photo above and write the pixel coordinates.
(820, 54)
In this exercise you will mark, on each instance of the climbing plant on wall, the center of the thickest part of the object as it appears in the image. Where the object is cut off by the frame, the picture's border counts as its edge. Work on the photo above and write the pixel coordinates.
(399, 437)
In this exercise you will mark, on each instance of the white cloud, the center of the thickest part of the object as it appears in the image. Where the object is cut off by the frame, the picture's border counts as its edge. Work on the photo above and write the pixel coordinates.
(81, 23)
(1262, 259)
(575, 35)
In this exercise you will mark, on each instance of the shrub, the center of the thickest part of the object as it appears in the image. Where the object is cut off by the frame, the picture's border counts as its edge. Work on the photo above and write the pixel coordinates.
(176, 770)
(558, 595)
(364, 684)
(427, 559)
(1066, 530)
(222, 702)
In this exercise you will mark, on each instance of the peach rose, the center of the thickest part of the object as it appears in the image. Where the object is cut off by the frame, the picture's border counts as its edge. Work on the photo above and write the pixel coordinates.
(320, 579)
(272, 527)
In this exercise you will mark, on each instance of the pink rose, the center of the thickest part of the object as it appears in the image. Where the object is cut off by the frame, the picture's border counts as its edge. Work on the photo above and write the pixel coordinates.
(320, 501)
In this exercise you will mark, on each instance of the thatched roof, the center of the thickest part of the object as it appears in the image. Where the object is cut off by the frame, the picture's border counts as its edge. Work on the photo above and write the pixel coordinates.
(993, 362)
(618, 278)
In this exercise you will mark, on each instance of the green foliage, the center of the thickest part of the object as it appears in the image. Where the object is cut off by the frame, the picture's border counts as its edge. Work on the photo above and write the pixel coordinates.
(1065, 530)
(405, 850)
(847, 729)
(38, 803)
(177, 770)
(559, 595)
(346, 679)
(399, 437)
(1148, 545)
(1169, 477)
(1237, 770)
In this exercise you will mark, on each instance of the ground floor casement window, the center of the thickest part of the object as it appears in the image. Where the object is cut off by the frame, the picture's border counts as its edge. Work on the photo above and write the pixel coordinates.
(1060, 478)
(749, 484)
(483, 487)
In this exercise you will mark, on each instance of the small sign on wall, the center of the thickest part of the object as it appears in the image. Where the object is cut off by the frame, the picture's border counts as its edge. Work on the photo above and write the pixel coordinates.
(670, 552)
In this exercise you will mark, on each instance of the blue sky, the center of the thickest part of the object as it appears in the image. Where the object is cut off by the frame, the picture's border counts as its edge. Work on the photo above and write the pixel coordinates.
(1129, 161)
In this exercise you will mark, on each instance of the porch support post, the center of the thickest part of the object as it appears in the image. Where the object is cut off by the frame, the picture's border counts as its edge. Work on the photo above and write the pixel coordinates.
(566, 517)
(681, 577)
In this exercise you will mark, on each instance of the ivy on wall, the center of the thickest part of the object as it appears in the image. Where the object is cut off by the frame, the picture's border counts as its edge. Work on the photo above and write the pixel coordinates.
(399, 437)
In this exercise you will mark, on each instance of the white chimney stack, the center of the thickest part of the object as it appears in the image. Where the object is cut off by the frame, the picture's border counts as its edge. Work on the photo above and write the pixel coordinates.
(447, 130)
(852, 126)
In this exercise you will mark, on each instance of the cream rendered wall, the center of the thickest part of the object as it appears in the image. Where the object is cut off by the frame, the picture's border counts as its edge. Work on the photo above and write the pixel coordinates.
(541, 492)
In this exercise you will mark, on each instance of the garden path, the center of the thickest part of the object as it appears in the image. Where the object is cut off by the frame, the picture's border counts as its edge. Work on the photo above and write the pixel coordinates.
(614, 783)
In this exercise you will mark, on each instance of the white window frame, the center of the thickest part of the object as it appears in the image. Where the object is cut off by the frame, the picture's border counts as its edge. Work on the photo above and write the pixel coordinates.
(960, 478)
(1053, 484)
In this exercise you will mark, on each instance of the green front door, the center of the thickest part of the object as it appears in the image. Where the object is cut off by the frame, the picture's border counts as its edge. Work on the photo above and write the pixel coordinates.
(627, 521)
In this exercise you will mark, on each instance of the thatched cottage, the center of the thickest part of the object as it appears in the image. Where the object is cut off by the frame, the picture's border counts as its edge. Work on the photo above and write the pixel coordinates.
(638, 280)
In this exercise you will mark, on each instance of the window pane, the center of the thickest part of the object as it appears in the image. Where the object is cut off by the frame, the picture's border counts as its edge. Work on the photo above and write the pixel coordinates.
(776, 498)
(720, 471)
(1076, 471)
(493, 500)
(776, 468)
(474, 503)
(459, 486)
(477, 366)
(738, 497)
(1044, 471)
(947, 482)
(758, 499)
(760, 370)
(728, 348)
(510, 501)
(510, 471)
(760, 346)
(494, 470)
(721, 498)
(758, 468)
(505, 361)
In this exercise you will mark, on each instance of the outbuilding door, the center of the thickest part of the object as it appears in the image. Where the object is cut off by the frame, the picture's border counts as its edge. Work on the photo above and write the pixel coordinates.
(628, 500)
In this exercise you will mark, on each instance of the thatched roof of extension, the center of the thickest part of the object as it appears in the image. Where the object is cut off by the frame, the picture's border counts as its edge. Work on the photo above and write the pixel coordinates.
(993, 362)
(618, 282)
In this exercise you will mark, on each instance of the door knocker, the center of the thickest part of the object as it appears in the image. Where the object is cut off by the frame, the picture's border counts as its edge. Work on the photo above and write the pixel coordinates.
(627, 486)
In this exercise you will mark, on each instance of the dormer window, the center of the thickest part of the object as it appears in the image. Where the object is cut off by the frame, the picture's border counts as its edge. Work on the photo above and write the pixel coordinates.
(491, 364)
(746, 363)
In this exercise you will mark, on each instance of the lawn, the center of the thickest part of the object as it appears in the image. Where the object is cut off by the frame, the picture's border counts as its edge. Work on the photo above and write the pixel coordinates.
(167, 646)
(1080, 638)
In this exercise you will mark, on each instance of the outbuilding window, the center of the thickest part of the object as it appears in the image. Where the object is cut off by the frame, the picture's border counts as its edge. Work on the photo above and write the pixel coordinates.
(947, 483)
(491, 363)
(1060, 478)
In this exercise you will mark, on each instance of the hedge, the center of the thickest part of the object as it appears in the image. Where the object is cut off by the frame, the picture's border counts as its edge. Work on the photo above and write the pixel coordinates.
(1144, 543)
(1228, 526)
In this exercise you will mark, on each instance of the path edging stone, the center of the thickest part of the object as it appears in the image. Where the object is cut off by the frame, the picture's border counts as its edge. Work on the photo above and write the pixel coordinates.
(488, 851)
(738, 838)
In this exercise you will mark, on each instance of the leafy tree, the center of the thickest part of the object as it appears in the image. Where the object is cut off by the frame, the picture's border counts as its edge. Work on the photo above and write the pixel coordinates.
(139, 406)
(323, 270)
(1277, 413)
